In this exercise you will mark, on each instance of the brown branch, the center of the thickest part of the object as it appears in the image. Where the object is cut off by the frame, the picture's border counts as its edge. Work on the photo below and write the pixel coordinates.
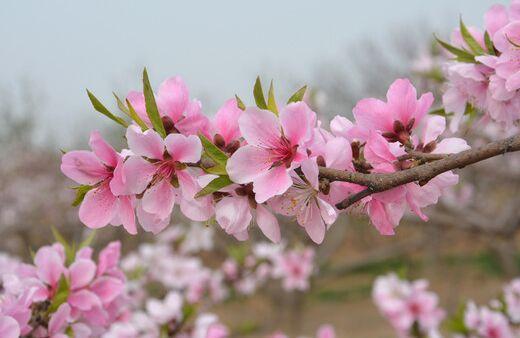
(378, 182)
(426, 157)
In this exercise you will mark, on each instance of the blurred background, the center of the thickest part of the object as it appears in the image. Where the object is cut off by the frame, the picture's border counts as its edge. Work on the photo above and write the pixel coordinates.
(344, 50)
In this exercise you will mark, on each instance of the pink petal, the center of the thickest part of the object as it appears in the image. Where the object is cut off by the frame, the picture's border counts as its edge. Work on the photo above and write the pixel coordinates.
(434, 127)
(327, 211)
(377, 150)
(159, 199)
(310, 170)
(423, 106)
(495, 18)
(185, 149)
(148, 143)
(338, 154)
(98, 208)
(49, 265)
(326, 331)
(451, 145)
(81, 273)
(296, 119)
(118, 183)
(138, 173)
(126, 214)
(310, 218)
(402, 100)
(233, 214)
(372, 114)
(109, 257)
(248, 163)
(83, 300)
(107, 288)
(267, 223)
(198, 210)
(377, 213)
(260, 127)
(226, 121)
(341, 126)
(59, 319)
(83, 167)
(103, 150)
(274, 182)
(9, 327)
(173, 97)
(137, 101)
(194, 121)
(151, 222)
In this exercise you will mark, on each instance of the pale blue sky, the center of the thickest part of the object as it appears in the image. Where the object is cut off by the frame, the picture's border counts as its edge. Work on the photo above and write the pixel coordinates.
(65, 46)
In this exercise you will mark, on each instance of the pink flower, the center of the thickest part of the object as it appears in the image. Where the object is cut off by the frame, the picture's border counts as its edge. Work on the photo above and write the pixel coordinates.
(235, 213)
(173, 102)
(226, 122)
(157, 163)
(305, 201)
(108, 201)
(487, 323)
(294, 268)
(273, 145)
(165, 311)
(396, 117)
(326, 331)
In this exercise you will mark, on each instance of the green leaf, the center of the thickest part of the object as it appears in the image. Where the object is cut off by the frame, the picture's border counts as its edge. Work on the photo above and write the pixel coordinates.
(103, 110)
(61, 295)
(240, 103)
(298, 96)
(81, 191)
(133, 114)
(470, 40)
(217, 169)
(440, 112)
(87, 241)
(120, 104)
(489, 44)
(215, 185)
(456, 324)
(258, 93)
(151, 106)
(461, 54)
(271, 102)
(213, 152)
(70, 251)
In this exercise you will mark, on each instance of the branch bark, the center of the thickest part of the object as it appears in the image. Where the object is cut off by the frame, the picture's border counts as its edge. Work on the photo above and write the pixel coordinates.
(378, 182)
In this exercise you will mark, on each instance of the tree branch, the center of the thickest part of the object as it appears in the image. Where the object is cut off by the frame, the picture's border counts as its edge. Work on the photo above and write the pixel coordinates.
(378, 182)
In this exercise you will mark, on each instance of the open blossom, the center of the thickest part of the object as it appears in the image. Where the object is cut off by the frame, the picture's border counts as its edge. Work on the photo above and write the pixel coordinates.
(273, 146)
(294, 268)
(406, 303)
(87, 295)
(108, 201)
(159, 169)
(305, 201)
(486, 323)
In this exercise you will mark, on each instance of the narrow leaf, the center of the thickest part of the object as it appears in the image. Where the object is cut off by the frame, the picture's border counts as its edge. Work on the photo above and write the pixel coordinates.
(298, 96)
(213, 152)
(271, 102)
(258, 93)
(489, 44)
(240, 103)
(81, 191)
(120, 104)
(461, 54)
(215, 185)
(61, 295)
(133, 114)
(470, 40)
(151, 106)
(87, 241)
(70, 252)
(103, 110)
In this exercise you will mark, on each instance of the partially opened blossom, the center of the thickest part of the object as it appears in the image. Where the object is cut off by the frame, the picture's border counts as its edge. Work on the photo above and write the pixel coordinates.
(107, 202)
(226, 128)
(158, 170)
(179, 113)
(398, 116)
(274, 145)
